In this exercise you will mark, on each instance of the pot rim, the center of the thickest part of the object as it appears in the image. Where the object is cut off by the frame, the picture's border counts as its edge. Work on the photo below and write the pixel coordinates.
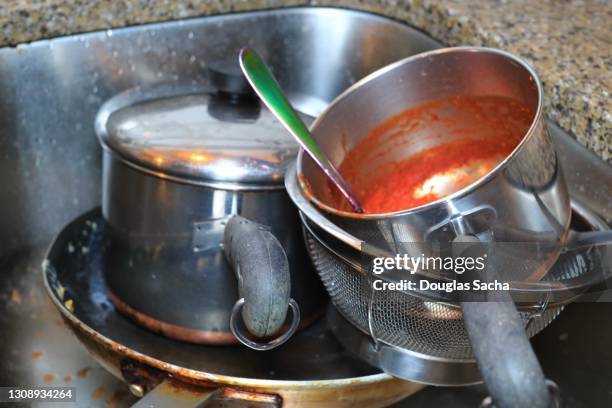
(457, 194)
(213, 185)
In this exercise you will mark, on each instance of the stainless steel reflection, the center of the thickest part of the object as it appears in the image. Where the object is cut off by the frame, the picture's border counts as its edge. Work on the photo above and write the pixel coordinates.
(197, 135)
(525, 195)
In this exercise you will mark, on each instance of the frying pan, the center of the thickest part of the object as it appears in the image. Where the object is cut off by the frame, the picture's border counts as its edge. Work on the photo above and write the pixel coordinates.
(311, 370)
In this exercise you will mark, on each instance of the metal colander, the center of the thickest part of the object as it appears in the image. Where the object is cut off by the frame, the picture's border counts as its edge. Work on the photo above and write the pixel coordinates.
(412, 335)
(398, 318)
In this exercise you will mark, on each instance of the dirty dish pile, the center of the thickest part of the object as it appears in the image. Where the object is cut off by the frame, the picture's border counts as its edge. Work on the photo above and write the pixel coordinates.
(448, 147)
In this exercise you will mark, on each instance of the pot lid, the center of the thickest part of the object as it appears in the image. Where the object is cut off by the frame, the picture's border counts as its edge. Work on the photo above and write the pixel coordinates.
(209, 136)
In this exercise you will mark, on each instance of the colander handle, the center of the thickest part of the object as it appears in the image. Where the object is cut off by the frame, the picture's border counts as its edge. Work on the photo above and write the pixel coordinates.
(264, 283)
(505, 358)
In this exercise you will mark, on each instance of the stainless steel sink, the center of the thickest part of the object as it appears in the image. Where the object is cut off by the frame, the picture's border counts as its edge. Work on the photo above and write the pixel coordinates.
(50, 171)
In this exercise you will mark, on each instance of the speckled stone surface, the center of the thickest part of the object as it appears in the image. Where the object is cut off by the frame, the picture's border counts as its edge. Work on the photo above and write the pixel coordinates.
(569, 42)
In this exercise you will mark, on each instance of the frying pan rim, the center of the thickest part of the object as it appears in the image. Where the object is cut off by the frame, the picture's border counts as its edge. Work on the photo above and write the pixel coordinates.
(170, 368)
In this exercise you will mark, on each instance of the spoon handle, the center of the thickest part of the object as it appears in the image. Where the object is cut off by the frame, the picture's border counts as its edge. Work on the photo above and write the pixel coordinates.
(268, 89)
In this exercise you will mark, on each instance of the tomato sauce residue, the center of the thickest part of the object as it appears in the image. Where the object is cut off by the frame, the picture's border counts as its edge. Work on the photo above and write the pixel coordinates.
(48, 378)
(457, 140)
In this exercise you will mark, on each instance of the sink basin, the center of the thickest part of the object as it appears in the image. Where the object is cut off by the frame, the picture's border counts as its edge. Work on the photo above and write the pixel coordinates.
(50, 92)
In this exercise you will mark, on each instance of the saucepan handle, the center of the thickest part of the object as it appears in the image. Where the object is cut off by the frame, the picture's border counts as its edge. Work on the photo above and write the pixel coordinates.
(264, 283)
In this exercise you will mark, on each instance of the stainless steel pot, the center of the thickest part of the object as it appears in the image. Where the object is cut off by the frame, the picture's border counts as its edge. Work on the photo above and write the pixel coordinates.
(179, 164)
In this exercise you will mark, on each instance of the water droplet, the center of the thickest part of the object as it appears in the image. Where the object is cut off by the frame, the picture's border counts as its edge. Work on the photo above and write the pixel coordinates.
(192, 59)
(190, 35)
(109, 33)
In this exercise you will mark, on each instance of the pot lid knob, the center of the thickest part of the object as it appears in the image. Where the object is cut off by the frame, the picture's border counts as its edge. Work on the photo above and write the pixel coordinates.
(226, 77)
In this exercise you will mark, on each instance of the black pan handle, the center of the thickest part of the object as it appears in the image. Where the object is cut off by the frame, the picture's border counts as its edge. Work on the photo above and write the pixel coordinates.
(264, 283)
(505, 358)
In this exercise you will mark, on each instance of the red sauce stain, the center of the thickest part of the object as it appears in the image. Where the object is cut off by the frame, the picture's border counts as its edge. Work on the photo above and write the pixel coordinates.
(82, 373)
(36, 354)
(98, 393)
(456, 141)
(48, 378)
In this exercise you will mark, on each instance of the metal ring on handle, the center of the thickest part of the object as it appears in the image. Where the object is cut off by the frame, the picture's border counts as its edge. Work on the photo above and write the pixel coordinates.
(272, 344)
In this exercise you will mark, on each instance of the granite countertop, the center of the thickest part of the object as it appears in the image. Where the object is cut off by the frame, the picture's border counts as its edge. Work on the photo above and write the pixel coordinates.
(569, 42)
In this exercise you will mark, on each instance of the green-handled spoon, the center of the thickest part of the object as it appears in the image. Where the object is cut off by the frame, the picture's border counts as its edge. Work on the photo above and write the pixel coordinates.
(266, 86)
